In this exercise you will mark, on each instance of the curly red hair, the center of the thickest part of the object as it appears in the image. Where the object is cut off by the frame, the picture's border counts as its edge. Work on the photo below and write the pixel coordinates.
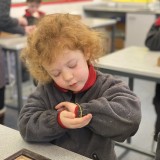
(55, 33)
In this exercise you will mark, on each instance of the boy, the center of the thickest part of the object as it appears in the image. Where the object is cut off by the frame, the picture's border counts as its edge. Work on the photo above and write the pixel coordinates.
(74, 106)
(32, 14)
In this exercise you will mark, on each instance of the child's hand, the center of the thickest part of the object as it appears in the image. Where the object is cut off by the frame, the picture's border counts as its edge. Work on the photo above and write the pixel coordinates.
(69, 121)
(22, 21)
(29, 29)
(68, 117)
(66, 106)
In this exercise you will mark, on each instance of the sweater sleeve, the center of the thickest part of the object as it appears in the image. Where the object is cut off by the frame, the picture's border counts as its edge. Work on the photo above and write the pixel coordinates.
(38, 120)
(153, 38)
(7, 23)
(116, 113)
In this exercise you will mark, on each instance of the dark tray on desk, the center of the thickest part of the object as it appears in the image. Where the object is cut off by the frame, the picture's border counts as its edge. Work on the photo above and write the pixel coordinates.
(25, 154)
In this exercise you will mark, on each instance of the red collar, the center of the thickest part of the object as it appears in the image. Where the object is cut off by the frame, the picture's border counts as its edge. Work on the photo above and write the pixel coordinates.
(90, 82)
(28, 14)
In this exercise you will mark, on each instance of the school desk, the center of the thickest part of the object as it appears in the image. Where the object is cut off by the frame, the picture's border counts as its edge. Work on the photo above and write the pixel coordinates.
(12, 142)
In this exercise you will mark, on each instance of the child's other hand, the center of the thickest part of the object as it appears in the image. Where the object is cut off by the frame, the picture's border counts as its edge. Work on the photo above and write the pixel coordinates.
(22, 21)
(29, 29)
(68, 117)
(69, 121)
(66, 106)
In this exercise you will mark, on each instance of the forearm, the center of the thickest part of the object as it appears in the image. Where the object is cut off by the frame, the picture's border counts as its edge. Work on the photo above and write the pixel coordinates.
(7, 23)
(39, 126)
(12, 27)
(117, 118)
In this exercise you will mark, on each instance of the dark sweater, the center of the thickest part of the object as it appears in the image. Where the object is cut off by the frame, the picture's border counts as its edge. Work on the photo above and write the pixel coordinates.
(153, 38)
(7, 23)
(31, 19)
(10, 25)
(116, 116)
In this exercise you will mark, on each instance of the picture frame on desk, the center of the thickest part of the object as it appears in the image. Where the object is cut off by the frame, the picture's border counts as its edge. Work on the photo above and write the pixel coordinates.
(25, 154)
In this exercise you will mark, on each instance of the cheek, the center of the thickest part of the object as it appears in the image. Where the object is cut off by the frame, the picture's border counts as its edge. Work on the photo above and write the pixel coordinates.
(59, 81)
(82, 73)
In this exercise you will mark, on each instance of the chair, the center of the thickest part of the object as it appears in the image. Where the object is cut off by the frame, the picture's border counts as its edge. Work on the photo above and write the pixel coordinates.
(157, 157)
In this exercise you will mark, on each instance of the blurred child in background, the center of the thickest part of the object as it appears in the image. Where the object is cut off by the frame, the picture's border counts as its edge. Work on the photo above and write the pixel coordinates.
(32, 13)
(10, 25)
(153, 43)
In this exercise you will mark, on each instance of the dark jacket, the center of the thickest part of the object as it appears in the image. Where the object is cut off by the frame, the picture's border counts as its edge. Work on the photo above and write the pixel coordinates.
(7, 23)
(31, 19)
(153, 43)
(116, 116)
(153, 38)
(10, 25)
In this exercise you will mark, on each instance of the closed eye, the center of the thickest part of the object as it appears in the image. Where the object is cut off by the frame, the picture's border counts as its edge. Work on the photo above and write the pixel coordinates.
(56, 74)
(72, 64)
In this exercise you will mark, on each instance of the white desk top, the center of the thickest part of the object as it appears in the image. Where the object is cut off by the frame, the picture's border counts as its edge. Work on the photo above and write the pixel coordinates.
(121, 8)
(11, 142)
(17, 43)
(98, 22)
(134, 60)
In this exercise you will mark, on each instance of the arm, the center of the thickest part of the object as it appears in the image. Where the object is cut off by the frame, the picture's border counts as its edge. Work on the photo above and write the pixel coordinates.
(116, 113)
(38, 120)
(7, 23)
(113, 109)
(153, 37)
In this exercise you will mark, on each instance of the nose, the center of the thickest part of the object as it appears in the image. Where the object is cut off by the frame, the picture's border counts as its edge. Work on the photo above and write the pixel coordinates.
(67, 75)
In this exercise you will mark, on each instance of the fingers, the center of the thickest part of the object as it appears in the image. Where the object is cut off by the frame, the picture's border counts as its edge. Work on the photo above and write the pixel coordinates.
(61, 109)
(22, 21)
(80, 122)
(29, 29)
(82, 119)
(60, 105)
(67, 114)
(68, 119)
(67, 106)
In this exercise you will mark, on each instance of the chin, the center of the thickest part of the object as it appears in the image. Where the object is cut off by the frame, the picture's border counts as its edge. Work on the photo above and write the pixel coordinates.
(75, 89)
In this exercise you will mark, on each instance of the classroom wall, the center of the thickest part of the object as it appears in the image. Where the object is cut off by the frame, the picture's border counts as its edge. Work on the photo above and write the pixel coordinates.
(74, 8)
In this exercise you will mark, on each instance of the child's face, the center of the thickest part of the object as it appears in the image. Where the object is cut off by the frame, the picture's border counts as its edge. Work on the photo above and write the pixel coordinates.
(70, 70)
(33, 7)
